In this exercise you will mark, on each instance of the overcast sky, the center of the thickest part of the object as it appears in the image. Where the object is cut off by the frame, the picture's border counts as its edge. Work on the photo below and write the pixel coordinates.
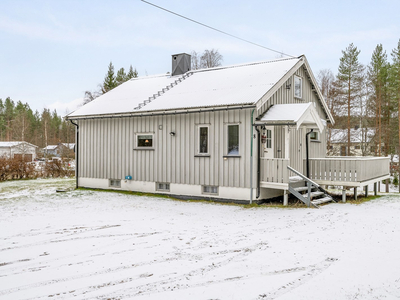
(52, 51)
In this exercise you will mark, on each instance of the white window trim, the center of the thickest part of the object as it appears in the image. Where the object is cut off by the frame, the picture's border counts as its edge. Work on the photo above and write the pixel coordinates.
(209, 193)
(163, 190)
(301, 87)
(198, 140)
(318, 139)
(227, 139)
(144, 148)
(114, 186)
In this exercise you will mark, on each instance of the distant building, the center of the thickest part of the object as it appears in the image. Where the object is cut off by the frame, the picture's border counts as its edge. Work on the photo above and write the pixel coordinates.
(22, 150)
(361, 142)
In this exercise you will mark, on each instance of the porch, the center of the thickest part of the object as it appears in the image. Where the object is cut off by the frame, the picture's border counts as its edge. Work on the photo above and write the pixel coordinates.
(329, 171)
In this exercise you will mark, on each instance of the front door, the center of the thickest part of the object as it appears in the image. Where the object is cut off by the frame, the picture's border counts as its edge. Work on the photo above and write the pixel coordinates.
(267, 141)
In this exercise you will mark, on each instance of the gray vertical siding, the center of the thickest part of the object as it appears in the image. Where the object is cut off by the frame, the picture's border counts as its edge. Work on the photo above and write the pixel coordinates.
(106, 148)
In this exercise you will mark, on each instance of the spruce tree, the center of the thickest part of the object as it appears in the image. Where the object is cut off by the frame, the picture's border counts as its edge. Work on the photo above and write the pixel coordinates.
(121, 76)
(349, 82)
(132, 73)
(109, 80)
(395, 81)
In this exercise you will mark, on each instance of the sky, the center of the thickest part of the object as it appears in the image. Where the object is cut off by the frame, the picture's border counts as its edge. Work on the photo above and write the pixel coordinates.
(51, 52)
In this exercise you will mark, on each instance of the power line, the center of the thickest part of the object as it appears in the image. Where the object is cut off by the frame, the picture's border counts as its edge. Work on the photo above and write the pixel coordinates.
(223, 32)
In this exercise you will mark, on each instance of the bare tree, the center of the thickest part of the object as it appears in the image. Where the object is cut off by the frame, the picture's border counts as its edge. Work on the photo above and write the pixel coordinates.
(209, 59)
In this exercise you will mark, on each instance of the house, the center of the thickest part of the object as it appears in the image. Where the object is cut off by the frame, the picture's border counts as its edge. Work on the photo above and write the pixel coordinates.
(228, 133)
(18, 150)
(59, 150)
(361, 142)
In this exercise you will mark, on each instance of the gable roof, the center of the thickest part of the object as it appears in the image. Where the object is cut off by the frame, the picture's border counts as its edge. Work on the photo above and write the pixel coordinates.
(238, 85)
(14, 144)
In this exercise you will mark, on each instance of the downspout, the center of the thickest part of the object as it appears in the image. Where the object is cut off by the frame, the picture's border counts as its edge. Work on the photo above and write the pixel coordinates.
(251, 158)
(76, 152)
(258, 161)
(307, 156)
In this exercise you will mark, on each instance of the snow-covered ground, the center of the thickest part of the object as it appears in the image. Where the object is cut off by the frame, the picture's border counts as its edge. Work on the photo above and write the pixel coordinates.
(101, 245)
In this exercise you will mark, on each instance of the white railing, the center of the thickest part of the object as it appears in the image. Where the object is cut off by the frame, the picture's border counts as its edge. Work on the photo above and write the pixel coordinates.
(348, 168)
(274, 170)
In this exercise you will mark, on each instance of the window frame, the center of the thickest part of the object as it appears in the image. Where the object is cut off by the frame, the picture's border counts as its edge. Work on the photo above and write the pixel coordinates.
(137, 147)
(228, 154)
(301, 87)
(203, 187)
(318, 136)
(111, 180)
(161, 189)
(198, 137)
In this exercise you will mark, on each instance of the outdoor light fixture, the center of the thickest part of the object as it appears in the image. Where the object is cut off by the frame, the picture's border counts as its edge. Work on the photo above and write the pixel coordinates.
(172, 133)
(288, 86)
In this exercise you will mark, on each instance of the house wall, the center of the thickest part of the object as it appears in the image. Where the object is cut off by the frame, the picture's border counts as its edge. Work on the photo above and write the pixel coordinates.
(297, 137)
(19, 149)
(106, 150)
(5, 151)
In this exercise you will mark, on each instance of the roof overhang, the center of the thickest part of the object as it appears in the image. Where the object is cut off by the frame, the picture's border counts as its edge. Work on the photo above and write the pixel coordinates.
(296, 114)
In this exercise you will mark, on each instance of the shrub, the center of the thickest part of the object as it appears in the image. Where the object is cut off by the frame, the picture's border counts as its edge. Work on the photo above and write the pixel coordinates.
(396, 179)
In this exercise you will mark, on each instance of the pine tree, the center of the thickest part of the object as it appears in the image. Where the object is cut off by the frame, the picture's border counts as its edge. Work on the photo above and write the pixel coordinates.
(121, 76)
(109, 80)
(395, 80)
(377, 73)
(132, 73)
(349, 83)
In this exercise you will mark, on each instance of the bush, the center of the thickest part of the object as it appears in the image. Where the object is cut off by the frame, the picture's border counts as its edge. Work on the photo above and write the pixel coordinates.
(396, 179)
(14, 168)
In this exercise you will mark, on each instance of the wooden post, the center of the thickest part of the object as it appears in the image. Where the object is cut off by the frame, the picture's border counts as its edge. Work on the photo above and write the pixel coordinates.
(387, 185)
(355, 193)
(343, 195)
(366, 190)
(375, 188)
(285, 198)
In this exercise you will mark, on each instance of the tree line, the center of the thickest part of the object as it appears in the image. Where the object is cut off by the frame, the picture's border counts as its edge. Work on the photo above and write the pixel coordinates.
(18, 122)
(366, 97)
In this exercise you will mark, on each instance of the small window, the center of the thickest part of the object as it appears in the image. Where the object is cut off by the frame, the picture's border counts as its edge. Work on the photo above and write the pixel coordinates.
(162, 186)
(357, 147)
(203, 140)
(115, 183)
(145, 140)
(298, 87)
(314, 136)
(268, 142)
(233, 139)
(209, 189)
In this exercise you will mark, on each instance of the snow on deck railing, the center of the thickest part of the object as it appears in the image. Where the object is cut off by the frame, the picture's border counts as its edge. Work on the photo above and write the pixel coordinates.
(274, 170)
(348, 168)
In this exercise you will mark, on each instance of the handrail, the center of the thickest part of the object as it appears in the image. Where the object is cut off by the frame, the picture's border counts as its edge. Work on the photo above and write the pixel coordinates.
(306, 179)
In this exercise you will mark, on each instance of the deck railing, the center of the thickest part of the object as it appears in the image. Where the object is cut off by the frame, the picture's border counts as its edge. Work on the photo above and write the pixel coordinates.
(274, 170)
(348, 169)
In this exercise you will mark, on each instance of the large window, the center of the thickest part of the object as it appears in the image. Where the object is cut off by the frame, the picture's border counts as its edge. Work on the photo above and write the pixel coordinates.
(144, 140)
(203, 140)
(298, 87)
(233, 139)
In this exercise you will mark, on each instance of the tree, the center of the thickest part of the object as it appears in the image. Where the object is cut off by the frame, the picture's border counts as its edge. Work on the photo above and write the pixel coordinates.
(395, 81)
(209, 59)
(132, 73)
(349, 84)
(121, 77)
(109, 80)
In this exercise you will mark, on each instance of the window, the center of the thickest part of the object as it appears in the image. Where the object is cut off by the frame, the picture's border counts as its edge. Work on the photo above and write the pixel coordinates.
(357, 147)
(203, 140)
(162, 186)
(298, 87)
(314, 136)
(145, 140)
(115, 183)
(209, 189)
(233, 139)
(268, 141)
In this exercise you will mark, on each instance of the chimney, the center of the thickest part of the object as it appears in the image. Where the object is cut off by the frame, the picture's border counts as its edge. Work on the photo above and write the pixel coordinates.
(181, 63)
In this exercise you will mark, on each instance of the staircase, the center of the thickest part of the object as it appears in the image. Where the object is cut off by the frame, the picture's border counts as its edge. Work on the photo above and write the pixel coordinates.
(311, 193)
(167, 88)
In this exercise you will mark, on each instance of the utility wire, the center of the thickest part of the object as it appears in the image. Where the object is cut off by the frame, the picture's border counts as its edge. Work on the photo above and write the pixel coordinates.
(223, 32)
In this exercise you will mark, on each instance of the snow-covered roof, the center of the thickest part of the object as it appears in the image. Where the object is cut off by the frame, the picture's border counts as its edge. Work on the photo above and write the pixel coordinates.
(221, 86)
(295, 113)
(356, 135)
(13, 144)
(50, 147)
(69, 145)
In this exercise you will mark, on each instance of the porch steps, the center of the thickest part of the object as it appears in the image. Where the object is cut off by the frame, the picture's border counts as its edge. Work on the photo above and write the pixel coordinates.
(311, 193)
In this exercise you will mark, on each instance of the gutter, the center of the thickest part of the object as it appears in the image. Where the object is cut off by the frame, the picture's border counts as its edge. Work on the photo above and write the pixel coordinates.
(258, 161)
(251, 158)
(76, 152)
(307, 156)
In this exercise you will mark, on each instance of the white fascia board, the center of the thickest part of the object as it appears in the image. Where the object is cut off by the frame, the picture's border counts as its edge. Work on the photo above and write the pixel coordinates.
(322, 99)
(277, 85)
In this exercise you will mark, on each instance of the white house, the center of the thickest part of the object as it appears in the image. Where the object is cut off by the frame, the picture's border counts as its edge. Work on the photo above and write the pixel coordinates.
(22, 150)
(228, 133)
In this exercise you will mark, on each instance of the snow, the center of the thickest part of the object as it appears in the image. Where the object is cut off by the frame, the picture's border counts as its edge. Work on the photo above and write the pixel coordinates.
(87, 244)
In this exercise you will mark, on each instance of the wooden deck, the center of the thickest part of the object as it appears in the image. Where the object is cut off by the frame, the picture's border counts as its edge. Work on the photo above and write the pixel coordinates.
(349, 171)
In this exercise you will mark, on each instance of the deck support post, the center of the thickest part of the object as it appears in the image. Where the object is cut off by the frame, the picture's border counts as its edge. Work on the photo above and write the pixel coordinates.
(375, 189)
(387, 185)
(285, 198)
(366, 190)
(343, 195)
(355, 193)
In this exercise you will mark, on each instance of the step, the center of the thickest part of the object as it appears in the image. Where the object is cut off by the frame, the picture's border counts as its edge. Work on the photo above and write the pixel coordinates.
(321, 200)
(302, 188)
(316, 194)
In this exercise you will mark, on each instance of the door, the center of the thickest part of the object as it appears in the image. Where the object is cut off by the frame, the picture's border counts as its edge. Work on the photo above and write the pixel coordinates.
(267, 141)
